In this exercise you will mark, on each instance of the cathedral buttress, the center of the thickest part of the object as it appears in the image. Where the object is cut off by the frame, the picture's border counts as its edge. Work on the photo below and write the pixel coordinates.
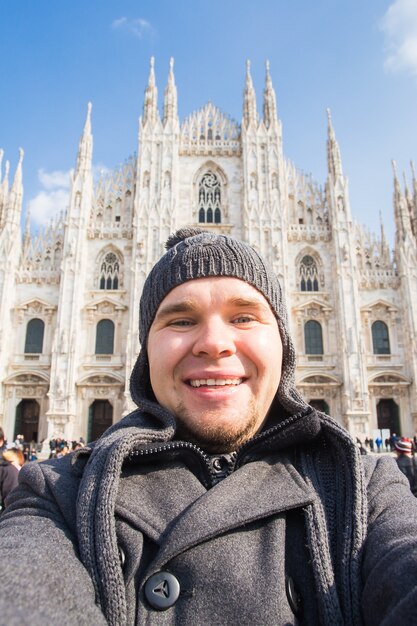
(10, 252)
(406, 259)
(156, 197)
(355, 400)
(75, 273)
(264, 182)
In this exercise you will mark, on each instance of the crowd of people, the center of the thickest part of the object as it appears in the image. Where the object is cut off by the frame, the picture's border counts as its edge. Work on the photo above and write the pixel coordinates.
(14, 455)
(405, 449)
(60, 447)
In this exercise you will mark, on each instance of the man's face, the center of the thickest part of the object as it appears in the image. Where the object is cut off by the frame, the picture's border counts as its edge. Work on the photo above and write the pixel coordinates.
(215, 356)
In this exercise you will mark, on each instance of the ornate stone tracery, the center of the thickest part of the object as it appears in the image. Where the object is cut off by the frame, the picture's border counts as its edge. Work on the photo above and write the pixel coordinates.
(209, 131)
(209, 199)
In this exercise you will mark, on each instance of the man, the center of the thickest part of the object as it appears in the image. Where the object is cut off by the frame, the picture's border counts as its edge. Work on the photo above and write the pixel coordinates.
(2, 443)
(8, 472)
(406, 462)
(225, 498)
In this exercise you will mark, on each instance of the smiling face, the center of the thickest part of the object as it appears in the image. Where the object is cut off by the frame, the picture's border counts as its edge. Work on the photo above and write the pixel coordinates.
(215, 356)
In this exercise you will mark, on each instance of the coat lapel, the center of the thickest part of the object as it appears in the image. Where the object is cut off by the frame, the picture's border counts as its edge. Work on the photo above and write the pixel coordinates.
(176, 511)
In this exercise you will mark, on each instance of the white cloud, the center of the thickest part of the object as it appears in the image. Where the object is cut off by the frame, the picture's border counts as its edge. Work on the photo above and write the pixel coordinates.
(400, 27)
(52, 180)
(53, 196)
(119, 22)
(47, 204)
(138, 26)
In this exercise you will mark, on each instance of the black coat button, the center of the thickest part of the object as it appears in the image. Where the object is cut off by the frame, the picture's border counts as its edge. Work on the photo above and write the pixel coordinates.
(162, 590)
(294, 598)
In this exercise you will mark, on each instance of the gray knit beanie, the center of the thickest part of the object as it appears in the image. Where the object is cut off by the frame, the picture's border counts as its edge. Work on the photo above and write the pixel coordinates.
(191, 254)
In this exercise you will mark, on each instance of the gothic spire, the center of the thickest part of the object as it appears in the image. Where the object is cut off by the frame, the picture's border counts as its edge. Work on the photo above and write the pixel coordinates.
(17, 182)
(414, 179)
(4, 191)
(26, 237)
(401, 213)
(170, 96)
(270, 104)
(413, 208)
(407, 192)
(334, 161)
(384, 245)
(150, 105)
(14, 205)
(250, 115)
(4, 188)
(85, 148)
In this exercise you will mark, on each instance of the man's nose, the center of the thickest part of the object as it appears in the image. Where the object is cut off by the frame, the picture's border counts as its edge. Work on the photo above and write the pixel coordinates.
(214, 339)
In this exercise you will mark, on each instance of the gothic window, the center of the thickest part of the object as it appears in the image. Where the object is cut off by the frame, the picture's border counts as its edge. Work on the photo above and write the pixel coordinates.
(300, 212)
(380, 338)
(209, 199)
(34, 336)
(313, 337)
(105, 337)
(109, 272)
(308, 274)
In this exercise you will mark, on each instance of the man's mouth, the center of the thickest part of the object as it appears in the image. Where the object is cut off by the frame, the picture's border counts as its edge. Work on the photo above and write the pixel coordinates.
(215, 382)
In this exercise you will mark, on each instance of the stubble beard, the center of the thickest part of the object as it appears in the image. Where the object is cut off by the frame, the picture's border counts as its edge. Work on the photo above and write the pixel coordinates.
(212, 436)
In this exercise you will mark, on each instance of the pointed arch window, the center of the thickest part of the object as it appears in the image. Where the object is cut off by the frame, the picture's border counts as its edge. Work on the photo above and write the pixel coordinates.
(209, 199)
(34, 336)
(313, 337)
(105, 337)
(308, 274)
(109, 272)
(380, 338)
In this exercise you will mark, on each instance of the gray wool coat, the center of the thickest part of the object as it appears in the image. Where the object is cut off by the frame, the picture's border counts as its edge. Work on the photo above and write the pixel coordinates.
(84, 533)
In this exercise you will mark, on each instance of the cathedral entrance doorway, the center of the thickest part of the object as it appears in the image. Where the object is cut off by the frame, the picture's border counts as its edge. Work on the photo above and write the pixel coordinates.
(99, 419)
(320, 405)
(388, 416)
(27, 420)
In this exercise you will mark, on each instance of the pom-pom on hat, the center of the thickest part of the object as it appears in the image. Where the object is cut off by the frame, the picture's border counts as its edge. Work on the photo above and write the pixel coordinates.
(193, 253)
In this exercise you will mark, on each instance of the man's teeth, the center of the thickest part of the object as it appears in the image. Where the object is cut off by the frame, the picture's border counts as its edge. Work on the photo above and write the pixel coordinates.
(215, 382)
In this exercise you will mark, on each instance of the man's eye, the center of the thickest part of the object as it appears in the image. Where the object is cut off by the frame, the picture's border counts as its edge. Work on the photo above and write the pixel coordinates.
(243, 319)
(181, 323)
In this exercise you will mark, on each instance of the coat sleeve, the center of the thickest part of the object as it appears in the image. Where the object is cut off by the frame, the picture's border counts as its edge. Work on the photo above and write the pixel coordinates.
(390, 555)
(43, 579)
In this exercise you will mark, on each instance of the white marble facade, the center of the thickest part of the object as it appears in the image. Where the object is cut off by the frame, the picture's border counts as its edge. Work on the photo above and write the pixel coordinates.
(69, 296)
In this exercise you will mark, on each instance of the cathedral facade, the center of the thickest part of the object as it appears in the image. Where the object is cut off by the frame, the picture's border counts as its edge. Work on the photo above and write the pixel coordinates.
(69, 295)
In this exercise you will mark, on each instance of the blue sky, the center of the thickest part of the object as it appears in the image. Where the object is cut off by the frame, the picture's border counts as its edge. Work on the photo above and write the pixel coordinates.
(358, 58)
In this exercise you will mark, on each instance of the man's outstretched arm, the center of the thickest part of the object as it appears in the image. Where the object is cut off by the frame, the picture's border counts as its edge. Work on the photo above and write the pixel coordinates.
(390, 557)
(44, 581)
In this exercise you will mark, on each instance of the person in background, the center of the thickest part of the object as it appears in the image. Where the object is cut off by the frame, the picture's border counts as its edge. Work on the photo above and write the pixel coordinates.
(9, 474)
(3, 445)
(406, 461)
(15, 457)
